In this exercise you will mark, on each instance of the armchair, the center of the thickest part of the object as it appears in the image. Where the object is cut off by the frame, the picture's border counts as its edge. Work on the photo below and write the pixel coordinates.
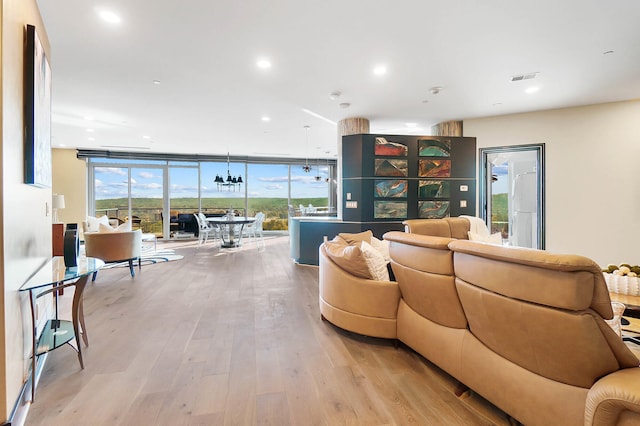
(114, 247)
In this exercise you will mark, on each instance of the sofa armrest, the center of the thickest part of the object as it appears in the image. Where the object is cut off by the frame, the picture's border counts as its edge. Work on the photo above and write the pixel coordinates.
(614, 399)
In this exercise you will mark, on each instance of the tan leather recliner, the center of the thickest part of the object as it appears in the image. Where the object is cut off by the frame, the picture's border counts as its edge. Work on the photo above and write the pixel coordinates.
(539, 347)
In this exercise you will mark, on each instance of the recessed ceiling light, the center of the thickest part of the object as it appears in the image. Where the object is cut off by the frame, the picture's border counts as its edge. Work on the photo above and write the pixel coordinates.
(266, 119)
(608, 52)
(334, 95)
(344, 105)
(425, 101)
(263, 63)
(435, 90)
(380, 69)
(532, 89)
(156, 82)
(146, 137)
(90, 130)
(110, 17)
(88, 118)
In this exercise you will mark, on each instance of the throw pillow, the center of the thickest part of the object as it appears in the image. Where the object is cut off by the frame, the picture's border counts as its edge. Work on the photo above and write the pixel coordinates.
(126, 226)
(382, 246)
(375, 261)
(348, 258)
(491, 239)
(356, 238)
(93, 223)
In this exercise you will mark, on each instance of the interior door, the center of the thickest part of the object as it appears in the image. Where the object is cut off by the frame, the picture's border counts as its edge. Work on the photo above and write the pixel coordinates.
(512, 193)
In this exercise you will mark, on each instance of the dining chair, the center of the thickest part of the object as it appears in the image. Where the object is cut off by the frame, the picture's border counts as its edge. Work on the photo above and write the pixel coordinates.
(255, 228)
(204, 228)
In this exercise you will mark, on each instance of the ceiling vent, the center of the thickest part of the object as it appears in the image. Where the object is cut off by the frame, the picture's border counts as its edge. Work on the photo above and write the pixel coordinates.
(522, 77)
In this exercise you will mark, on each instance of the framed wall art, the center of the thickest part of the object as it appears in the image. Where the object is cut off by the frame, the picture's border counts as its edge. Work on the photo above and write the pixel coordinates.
(434, 168)
(434, 148)
(384, 147)
(433, 209)
(391, 167)
(390, 188)
(37, 112)
(390, 209)
(434, 189)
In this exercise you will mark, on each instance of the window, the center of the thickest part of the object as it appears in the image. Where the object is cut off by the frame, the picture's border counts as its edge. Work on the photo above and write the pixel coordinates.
(153, 192)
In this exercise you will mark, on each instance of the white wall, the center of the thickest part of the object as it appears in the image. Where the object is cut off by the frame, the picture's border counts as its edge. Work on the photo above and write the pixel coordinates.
(25, 222)
(592, 180)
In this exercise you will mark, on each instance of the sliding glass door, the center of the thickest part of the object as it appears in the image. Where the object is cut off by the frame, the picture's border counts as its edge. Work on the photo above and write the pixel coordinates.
(512, 193)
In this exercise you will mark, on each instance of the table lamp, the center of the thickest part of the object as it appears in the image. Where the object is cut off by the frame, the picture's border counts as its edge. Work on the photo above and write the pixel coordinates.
(57, 203)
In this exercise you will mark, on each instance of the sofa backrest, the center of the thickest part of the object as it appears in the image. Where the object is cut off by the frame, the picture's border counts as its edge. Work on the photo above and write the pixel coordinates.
(544, 312)
(449, 227)
(423, 267)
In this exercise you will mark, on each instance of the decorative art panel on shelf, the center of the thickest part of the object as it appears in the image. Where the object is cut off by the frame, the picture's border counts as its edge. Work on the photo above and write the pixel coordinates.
(391, 167)
(433, 209)
(390, 209)
(37, 112)
(434, 189)
(434, 168)
(391, 188)
(390, 149)
(434, 148)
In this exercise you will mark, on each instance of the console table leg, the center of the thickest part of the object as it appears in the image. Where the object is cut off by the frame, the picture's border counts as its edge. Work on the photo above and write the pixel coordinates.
(77, 313)
(34, 340)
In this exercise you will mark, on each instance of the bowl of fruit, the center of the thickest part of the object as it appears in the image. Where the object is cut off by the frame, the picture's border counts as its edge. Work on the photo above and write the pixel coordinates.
(623, 278)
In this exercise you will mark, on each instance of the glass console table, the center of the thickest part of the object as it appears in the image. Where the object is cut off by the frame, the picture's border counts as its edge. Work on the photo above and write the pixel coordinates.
(52, 277)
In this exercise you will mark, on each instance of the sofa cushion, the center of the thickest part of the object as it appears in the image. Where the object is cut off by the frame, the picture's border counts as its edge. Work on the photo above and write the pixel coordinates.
(360, 260)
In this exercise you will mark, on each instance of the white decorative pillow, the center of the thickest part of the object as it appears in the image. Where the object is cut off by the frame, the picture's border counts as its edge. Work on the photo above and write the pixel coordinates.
(382, 246)
(93, 223)
(375, 261)
(491, 239)
(126, 226)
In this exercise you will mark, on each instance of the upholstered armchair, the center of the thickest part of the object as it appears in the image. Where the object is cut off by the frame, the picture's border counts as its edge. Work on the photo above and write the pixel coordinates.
(114, 247)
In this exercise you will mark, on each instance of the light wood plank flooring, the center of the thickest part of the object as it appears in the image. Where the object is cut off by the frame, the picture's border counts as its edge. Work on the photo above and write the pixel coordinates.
(233, 338)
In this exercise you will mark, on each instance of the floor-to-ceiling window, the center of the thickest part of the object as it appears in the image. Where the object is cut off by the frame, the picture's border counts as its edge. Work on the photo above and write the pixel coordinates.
(268, 192)
(160, 196)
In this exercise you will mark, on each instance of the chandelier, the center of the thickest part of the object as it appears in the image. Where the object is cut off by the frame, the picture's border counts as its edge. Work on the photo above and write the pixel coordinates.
(230, 183)
(307, 168)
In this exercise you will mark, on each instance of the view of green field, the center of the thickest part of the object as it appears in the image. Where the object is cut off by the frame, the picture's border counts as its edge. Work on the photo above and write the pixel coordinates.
(500, 214)
(149, 210)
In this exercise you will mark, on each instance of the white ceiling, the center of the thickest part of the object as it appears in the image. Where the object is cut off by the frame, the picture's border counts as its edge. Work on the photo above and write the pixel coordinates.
(212, 96)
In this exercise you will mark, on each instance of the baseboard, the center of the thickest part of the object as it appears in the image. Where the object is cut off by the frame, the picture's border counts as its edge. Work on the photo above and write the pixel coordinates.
(20, 410)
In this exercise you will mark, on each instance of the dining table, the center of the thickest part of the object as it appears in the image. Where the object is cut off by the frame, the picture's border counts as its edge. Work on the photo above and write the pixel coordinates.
(231, 228)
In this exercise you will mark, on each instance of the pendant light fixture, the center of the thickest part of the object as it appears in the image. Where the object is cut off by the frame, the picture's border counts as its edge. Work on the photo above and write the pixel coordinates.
(307, 168)
(318, 177)
(231, 182)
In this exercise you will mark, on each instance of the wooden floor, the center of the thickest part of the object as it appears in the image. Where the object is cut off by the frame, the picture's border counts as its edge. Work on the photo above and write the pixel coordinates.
(233, 338)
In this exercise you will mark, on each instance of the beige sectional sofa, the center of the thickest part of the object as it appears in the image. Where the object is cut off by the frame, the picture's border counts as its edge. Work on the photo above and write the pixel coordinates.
(523, 328)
